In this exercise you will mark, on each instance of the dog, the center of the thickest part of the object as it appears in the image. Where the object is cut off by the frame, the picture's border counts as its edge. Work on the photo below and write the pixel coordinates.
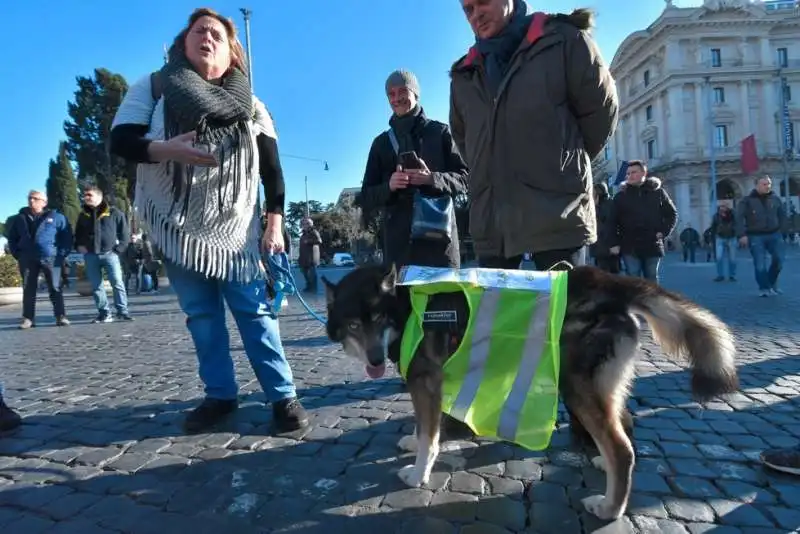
(367, 312)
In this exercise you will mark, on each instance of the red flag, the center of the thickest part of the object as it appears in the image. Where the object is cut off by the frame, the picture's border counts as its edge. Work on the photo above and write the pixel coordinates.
(749, 155)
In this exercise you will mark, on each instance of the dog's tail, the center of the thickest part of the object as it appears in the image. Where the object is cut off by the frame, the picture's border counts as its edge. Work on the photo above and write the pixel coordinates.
(683, 328)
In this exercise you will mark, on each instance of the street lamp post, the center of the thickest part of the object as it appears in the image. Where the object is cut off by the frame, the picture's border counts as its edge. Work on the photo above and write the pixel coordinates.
(786, 130)
(304, 158)
(247, 13)
(712, 149)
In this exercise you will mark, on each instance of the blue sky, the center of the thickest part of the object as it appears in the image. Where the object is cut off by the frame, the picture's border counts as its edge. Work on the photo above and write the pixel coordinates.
(320, 66)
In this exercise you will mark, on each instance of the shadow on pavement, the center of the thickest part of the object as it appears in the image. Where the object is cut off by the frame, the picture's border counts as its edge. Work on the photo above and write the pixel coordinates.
(129, 469)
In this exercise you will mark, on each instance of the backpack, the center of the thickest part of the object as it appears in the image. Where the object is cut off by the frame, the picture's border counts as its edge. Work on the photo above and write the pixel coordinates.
(155, 85)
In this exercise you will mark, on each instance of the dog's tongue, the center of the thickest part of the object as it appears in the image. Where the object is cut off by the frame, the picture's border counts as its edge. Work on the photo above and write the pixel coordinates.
(376, 371)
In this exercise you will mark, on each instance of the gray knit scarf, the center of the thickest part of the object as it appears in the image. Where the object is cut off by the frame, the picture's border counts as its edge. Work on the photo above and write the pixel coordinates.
(218, 113)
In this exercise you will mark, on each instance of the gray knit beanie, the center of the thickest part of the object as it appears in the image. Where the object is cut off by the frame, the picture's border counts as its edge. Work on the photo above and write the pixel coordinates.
(403, 78)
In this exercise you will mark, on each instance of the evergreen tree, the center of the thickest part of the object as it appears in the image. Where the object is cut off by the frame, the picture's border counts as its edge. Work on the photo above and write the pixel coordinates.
(62, 187)
(88, 131)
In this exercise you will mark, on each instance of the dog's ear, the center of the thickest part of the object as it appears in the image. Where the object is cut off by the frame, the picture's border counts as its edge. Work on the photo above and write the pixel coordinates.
(389, 280)
(330, 289)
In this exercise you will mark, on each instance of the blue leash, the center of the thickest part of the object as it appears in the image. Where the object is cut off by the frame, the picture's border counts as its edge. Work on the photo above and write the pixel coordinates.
(284, 284)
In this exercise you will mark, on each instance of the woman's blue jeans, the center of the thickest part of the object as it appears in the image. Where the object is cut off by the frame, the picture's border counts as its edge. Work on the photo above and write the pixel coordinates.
(203, 301)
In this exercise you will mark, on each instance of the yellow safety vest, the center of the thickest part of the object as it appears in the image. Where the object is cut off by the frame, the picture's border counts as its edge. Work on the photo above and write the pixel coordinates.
(502, 381)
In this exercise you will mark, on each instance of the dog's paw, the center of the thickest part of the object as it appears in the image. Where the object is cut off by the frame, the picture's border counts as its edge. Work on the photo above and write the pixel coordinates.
(601, 507)
(408, 443)
(412, 476)
(599, 463)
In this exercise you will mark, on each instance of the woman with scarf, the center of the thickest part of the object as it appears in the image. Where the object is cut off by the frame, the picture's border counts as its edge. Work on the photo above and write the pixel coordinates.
(201, 140)
(390, 188)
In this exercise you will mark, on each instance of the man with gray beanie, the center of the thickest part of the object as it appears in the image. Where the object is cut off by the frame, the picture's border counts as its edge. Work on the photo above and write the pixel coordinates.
(430, 165)
(416, 156)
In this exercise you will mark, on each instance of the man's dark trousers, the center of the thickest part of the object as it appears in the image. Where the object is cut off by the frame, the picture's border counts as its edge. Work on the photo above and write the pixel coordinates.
(30, 270)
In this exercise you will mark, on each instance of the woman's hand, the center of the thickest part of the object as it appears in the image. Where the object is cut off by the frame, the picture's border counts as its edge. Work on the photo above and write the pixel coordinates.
(181, 149)
(272, 240)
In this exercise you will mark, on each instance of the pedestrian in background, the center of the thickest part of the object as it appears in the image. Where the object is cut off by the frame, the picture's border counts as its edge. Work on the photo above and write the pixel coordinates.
(309, 258)
(760, 222)
(102, 235)
(723, 231)
(40, 238)
(643, 217)
(601, 249)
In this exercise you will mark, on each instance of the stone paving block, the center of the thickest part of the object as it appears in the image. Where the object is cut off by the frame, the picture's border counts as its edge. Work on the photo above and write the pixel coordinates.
(502, 511)
(79, 526)
(712, 528)
(471, 483)
(694, 487)
(691, 510)
(29, 524)
(553, 518)
(739, 514)
(650, 483)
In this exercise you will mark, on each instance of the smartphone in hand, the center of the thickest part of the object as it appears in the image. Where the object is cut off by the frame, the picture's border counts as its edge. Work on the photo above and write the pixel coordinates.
(410, 160)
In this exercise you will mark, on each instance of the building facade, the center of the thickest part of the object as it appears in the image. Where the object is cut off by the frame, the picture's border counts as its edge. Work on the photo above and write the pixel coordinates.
(697, 82)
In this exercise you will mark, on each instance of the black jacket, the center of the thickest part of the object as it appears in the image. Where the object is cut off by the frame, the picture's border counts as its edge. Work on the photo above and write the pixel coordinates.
(102, 229)
(760, 214)
(603, 211)
(640, 212)
(724, 224)
(436, 147)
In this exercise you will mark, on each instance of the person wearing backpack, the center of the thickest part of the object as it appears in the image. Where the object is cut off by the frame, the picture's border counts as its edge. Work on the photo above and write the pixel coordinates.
(415, 161)
(195, 129)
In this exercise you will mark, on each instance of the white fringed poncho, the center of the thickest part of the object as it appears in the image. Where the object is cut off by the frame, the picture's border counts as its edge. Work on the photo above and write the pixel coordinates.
(219, 244)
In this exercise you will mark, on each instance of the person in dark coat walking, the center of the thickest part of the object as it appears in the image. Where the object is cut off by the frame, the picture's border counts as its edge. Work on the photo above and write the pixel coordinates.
(390, 188)
(309, 257)
(601, 249)
(642, 218)
(690, 242)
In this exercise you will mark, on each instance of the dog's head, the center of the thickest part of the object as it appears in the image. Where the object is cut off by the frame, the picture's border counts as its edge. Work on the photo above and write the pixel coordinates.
(361, 315)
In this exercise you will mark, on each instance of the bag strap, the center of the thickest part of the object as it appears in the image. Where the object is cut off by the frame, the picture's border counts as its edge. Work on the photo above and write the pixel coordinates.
(155, 85)
(393, 140)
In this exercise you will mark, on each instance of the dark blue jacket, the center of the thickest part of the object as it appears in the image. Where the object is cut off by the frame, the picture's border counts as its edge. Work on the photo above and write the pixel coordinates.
(46, 237)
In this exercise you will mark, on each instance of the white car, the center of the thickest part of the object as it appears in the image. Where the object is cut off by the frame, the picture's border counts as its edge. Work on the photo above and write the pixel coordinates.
(342, 259)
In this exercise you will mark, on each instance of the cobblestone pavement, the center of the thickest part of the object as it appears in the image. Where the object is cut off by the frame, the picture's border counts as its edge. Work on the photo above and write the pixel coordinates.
(102, 450)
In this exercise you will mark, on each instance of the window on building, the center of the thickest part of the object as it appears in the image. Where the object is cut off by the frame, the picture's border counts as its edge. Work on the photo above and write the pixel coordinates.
(652, 153)
(720, 136)
(716, 57)
(606, 152)
(646, 76)
(783, 57)
(787, 93)
(719, 95)
(648, 113)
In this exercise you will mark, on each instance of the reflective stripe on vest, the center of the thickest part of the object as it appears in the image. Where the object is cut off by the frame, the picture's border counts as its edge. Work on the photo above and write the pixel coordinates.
(502, 381)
